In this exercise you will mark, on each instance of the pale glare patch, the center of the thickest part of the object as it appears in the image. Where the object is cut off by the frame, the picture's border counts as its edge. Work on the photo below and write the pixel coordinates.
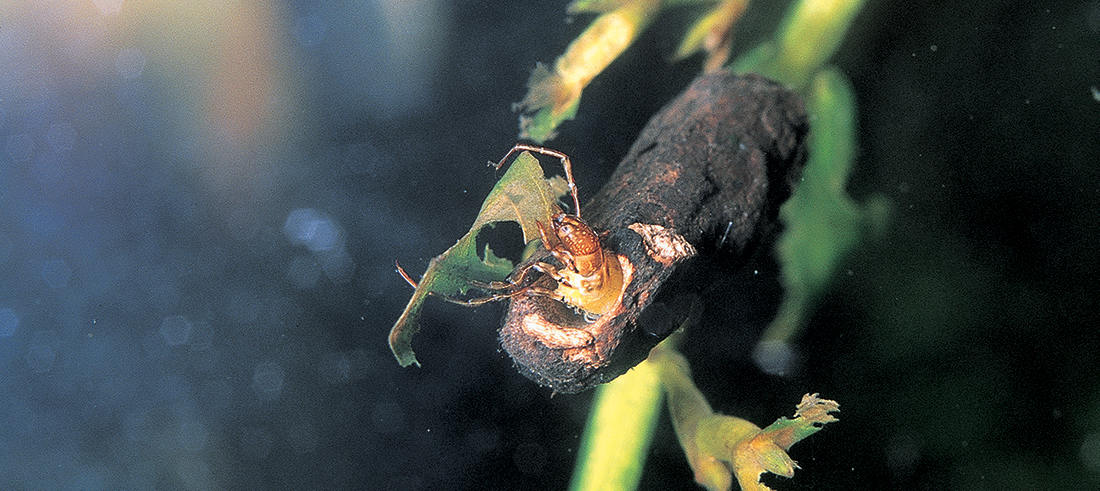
(109, 8)
(415, 45)
(176, 330)
(1090, 451)
(130, 63)
(313, 229)
(325, 239)
(9, 322)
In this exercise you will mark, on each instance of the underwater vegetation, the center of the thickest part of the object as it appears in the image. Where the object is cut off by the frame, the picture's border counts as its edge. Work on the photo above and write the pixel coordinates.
(202, 202)
(822, 225)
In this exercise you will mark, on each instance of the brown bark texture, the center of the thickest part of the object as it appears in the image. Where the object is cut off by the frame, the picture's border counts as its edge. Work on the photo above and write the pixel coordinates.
(698, 190)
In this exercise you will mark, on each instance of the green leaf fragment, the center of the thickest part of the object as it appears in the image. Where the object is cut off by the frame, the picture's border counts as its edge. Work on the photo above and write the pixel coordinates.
(553, 95)
(719, 447)
(766, 450)
(712, 33)
(523, 196)
(809, 35)
(823, 223)
(812, 414)
(594, 6)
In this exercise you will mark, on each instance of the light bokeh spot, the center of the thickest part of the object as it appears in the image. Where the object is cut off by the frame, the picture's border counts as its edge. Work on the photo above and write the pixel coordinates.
(176, 330)
(313, 229)
(1090, 451)
(267, 380)
(774, 357)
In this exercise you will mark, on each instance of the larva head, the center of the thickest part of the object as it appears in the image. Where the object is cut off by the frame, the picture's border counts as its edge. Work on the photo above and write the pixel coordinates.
(578, 239)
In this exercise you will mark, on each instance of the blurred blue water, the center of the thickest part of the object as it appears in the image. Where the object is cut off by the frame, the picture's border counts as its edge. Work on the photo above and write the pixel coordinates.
(161, 269)
(201, 204)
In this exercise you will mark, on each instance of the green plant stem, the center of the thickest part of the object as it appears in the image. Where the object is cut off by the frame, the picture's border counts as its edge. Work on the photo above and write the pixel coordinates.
(810, 34)
(624, 412)
(619, 430)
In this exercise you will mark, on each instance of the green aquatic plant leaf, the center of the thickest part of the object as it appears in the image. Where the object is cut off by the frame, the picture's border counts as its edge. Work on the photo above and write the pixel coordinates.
(809, 35)
(713, 33)
(619, 430)
(766, 450)
(553, 94)
(823, 223)
(621, 421)
(720, 447)
(523, 195)
(595, 6)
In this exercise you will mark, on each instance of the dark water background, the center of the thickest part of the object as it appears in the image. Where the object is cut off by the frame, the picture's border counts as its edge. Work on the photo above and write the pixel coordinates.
(201, 204)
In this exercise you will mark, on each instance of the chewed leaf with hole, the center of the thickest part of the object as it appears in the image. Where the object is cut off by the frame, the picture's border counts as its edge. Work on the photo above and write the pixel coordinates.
(523, 196)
